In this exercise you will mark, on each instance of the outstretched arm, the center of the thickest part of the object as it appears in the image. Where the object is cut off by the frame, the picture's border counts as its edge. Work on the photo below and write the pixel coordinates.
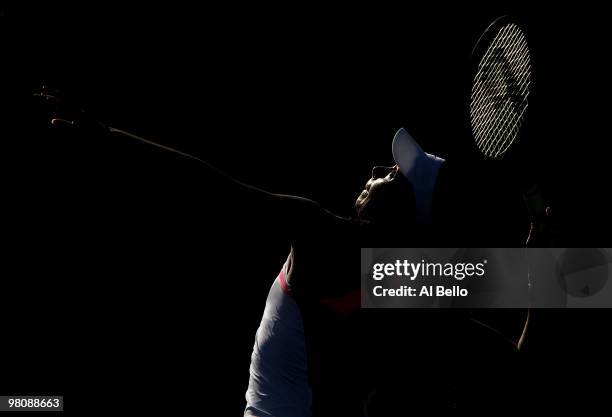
(288, 217)
(292, 217)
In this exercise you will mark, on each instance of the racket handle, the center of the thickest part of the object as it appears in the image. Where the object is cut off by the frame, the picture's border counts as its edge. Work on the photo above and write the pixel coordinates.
(536, 207)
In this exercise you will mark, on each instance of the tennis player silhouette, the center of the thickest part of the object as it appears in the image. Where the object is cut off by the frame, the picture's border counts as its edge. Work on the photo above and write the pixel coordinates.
(316, 352)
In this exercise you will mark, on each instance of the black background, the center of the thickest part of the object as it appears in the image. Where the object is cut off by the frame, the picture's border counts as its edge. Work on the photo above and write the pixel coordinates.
(302, 100)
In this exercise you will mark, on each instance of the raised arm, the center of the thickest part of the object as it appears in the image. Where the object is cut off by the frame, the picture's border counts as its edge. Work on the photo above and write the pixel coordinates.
(242, 205)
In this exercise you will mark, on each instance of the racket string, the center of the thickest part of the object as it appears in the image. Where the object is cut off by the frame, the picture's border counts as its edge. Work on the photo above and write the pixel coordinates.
(491, 138)
(486, 64)
(500, 92)
(509, 119)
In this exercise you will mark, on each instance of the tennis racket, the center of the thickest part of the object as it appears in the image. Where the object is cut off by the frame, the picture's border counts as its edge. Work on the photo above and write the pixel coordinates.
(500, 103)
(501, 88)
(499, 109)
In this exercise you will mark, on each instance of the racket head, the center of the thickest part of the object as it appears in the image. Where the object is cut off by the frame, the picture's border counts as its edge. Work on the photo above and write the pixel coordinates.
(501, 88)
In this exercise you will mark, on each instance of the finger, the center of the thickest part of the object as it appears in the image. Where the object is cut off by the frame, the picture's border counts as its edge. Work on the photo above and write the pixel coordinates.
(61, 122)
(48, 98)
